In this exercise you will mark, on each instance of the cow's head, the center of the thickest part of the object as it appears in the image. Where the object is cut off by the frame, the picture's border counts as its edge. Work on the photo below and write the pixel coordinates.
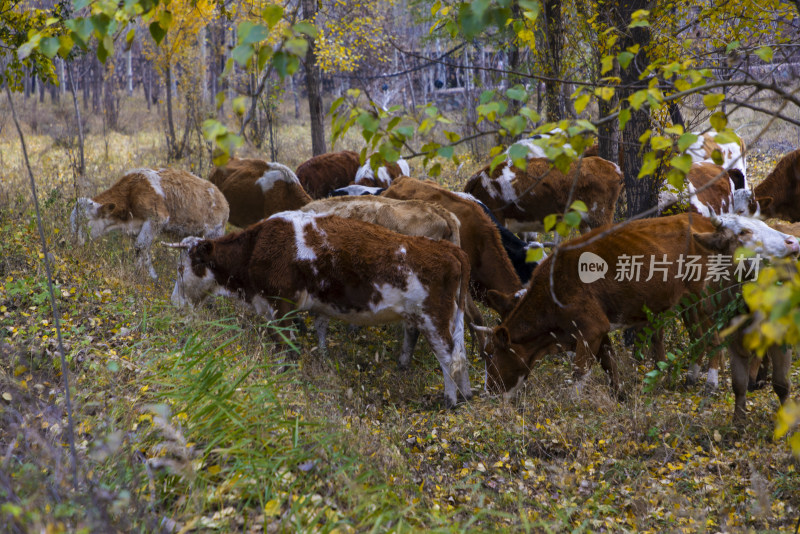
(195, 280)
(506, 369)
(98, 217)
(733, 231)
(744, 203)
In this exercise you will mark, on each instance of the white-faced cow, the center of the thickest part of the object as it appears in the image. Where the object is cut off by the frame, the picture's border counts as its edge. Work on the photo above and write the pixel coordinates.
(341, 268)
(255, 189)
(732, 154)
(521, 199)
(593, 302)
(146, 201)
(709, 189)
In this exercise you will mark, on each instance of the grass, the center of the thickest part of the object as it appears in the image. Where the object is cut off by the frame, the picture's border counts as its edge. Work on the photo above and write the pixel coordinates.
(183, 420)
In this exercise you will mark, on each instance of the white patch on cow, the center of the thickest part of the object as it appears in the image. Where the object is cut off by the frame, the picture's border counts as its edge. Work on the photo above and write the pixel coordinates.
(153, 178)
(358, 190)
(84, 211)
(619, 171)
(404, 168)
(507, 192)
(467, 196)
(364, 173)
(732, 157)
(299, 221)
(486, 182)
(383, 177)
(263, 307)
(213, 197)
(761, 238)
(402, 251)
(534, 150)
(269, 179)
(521, 293)
(512, 391)
(701, 208)
(712, 381)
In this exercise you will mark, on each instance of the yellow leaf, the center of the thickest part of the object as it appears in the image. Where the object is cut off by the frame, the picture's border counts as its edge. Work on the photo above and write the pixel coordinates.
(272, 508)
(214, 469)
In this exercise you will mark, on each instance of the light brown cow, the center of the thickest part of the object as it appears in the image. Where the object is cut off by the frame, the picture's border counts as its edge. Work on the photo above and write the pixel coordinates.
(321, 174)
(146, 201)
(255, 189)
(341, 268)
(591, 302)
(491, 268)
(709, 189)
(521, 199)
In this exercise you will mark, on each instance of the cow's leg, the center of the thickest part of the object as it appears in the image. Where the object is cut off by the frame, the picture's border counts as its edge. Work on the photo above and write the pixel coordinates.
(410, 337)
(474, 317)
(608, 362)
(588, 339)
(759, 369)
(452, 356)
(712, 378)
(781, 362)
(739, 358)
(145, 238)
(321, 327)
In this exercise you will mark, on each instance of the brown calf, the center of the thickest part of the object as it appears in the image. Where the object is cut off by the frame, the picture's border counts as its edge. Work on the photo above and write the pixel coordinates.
(342, 268)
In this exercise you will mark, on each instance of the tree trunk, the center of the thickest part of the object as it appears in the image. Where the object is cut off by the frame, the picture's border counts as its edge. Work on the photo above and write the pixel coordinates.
(313, 86)
(642, 193)
(78, 121)
(554, 45)
(293, 88)
(170, 121)
(129, 71)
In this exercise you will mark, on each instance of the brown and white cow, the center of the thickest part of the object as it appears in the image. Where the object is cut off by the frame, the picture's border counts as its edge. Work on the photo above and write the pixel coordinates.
(255, 189)
(521, 199)
(590, 302)
(709, 189)
(490, 266)
(341, 268)
(733, 158)
(321, 174)
(145, 202)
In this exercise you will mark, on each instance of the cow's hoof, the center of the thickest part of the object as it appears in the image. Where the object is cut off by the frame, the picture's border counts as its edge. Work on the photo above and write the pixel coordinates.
(466, 395)
(756, 385)
(450, 403)
(691, 381)
(403, 366)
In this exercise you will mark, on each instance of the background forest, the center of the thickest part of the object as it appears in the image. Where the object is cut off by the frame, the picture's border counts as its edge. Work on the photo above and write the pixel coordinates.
(180, 422)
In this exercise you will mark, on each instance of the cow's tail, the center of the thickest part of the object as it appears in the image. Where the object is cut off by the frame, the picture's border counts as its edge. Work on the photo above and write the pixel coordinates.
(458, 361)
(286, 171)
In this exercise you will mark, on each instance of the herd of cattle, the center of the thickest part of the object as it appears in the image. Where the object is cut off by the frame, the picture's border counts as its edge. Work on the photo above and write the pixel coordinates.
(340, 241)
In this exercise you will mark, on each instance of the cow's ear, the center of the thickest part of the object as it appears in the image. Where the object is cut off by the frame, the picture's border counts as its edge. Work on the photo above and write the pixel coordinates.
(500, 302)
(202, 252)
(764, 202)
(502, 338)
(717, 241)
(107, 209)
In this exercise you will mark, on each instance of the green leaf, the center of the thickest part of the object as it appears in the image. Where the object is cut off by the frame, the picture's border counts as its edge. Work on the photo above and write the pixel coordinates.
(272, 14)
(446, 152)
(306, 28)
(239, 105)
(562, 229)
(624, 59)
(100, 23)
(49, 46)
(579, 205)
(250, 33)
(242, 54)
(550, 221)
(660, 143)
(638, 98)
(572, 219)
(677, 179)
(718, 120)
(606, 64)
(517, 93)
(157, 32)
(297, 46)
(732, 46)
(219, 100)
(534, 254)
(165, 19)
(264, 55)
(686, 140)
(712, 100)
(518, 152)
(497, 160)
(581, 102)
(486, 96)
(102, 53)
(723, 138)
(682, 162)
(369, 122)
(765, 53)
(716, 157)
(624, 117)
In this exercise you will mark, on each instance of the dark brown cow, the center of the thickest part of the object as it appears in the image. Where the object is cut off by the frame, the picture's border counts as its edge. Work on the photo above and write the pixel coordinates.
(322, 174)
(256, 189)
(709, 188)
(341, 268)
(521, 199)
(589, 308)
(491, 268)
(145, 202)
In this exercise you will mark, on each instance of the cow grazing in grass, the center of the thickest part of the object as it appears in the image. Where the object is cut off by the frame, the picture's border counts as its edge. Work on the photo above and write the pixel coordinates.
(146, 202)
(521, 199)
(341, 268)
(322, 174)
(491, 268)
(590, 305)
(255, 189)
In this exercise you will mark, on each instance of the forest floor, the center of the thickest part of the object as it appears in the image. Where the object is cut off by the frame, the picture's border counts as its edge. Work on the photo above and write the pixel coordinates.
(183, 421)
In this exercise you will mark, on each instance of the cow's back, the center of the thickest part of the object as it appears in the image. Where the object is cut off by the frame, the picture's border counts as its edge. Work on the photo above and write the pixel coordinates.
(323, 173)
(195, 205)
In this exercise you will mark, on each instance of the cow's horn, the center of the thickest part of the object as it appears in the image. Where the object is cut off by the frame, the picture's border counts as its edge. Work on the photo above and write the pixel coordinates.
(486, 329)
(174, 245)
